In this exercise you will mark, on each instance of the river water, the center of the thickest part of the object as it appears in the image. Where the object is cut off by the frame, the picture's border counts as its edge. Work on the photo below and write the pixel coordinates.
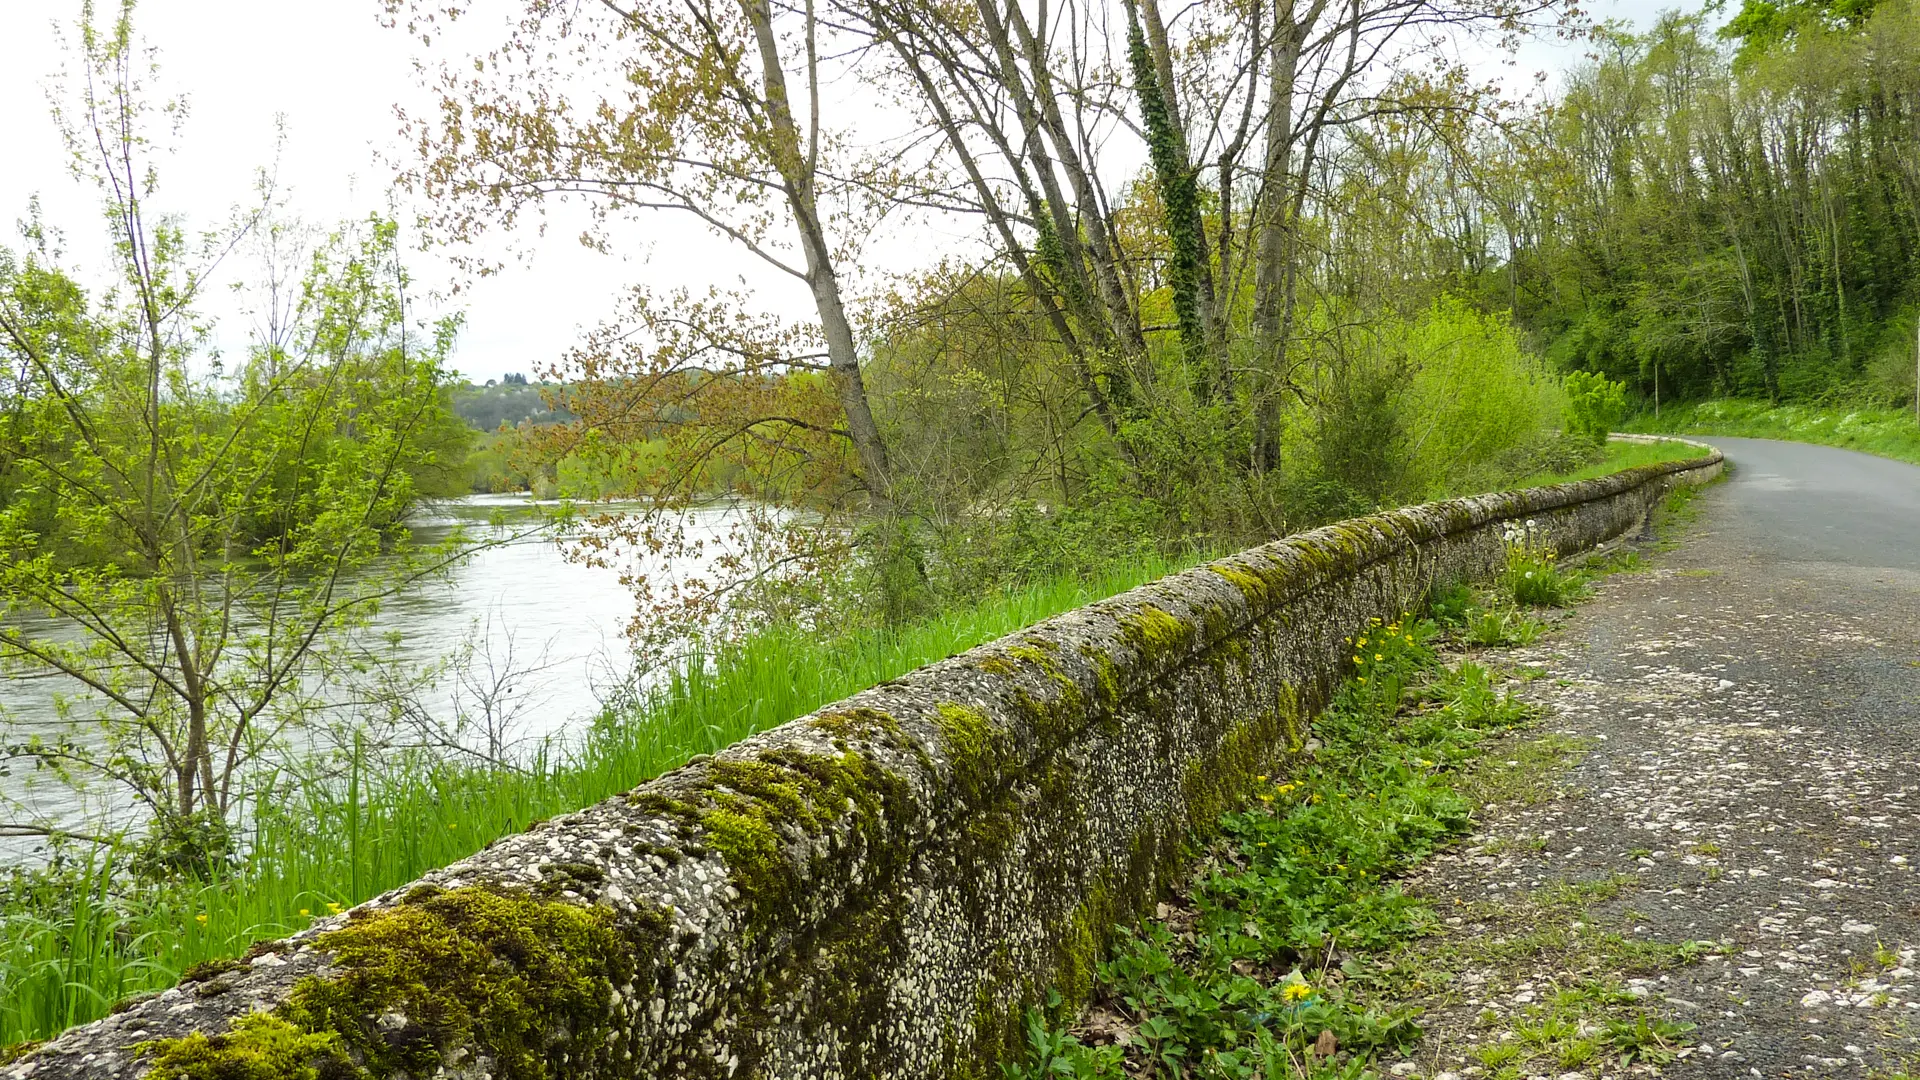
(540, 635)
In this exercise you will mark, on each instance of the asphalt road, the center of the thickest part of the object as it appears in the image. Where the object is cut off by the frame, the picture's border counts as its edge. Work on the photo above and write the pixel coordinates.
(1796, 503)
(1748, 704)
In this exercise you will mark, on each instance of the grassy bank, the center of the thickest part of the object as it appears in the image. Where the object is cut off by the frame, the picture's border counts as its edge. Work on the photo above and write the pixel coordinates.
(64, 962)
(73, 945)
(1891, 433)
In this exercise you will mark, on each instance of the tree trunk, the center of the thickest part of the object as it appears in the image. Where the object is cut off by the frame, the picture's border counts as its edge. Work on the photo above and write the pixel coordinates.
(1272, 280)
(797, 176)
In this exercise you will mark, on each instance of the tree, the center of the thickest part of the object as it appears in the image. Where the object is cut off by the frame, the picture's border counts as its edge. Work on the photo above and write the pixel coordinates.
(698, 116)
(191, 550)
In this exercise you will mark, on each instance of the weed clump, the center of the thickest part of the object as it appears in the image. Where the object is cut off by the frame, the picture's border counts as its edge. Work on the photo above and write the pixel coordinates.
(1532, 576)
(1488, 621)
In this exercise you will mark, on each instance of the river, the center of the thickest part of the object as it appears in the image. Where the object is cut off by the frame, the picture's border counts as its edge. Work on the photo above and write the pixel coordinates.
(542, 636)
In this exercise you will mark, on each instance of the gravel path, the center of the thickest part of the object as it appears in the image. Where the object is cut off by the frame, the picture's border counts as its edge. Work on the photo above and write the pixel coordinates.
(1740, 726)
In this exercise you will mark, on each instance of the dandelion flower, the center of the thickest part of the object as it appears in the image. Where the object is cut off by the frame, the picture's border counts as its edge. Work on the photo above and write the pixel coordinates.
(1297, 991)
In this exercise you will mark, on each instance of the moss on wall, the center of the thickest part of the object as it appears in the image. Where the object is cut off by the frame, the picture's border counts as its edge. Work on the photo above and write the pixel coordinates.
(527, 983)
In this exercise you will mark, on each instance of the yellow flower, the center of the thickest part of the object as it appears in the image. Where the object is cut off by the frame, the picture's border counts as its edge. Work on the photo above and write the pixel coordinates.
(334, 908)
(1262, 779)
(303, 913)
(201, 919)
(1297, 991)
(1356, 659)
(1376, 656)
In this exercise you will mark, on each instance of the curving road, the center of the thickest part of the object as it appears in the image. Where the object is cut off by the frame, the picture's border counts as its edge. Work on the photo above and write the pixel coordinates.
(1816, 505)
(1747, 713)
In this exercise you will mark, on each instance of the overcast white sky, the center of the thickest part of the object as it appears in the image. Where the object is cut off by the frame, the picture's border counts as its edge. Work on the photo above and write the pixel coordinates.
(334, 74)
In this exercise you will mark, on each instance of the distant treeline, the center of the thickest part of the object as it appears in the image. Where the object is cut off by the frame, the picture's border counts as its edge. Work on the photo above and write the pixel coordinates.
(1718, 213)
(509, 402)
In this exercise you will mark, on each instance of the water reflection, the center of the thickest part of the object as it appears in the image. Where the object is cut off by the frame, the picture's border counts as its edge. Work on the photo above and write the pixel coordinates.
(544, 631)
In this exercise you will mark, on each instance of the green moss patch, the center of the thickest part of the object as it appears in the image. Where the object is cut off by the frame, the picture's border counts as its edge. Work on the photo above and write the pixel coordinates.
(973, 746)
(1157, 635)
(462, 971)
(261, 1046)
(751, 810)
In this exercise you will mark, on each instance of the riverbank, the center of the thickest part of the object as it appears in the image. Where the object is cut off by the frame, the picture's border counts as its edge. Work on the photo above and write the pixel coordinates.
(1890, 433)
(64, 962)
(79, 941)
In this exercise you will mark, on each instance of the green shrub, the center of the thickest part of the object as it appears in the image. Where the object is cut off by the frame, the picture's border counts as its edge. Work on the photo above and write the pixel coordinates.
(1595, 404)
(1451, 605)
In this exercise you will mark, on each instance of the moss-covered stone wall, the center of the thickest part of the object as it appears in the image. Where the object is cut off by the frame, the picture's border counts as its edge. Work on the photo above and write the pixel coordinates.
(875, 890)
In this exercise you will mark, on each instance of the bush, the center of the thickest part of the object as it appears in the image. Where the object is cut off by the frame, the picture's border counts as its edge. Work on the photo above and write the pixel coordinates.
(1595, 404)
(1402, 409)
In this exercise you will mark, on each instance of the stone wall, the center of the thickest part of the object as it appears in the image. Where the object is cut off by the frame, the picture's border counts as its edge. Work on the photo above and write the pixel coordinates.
(875, 890)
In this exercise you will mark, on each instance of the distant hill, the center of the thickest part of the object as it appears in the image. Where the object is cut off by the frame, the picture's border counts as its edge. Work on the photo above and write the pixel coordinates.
(511, 401)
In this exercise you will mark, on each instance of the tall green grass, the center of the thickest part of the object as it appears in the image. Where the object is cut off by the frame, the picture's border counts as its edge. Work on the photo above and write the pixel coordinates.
(68, 953)
(1891, 433)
